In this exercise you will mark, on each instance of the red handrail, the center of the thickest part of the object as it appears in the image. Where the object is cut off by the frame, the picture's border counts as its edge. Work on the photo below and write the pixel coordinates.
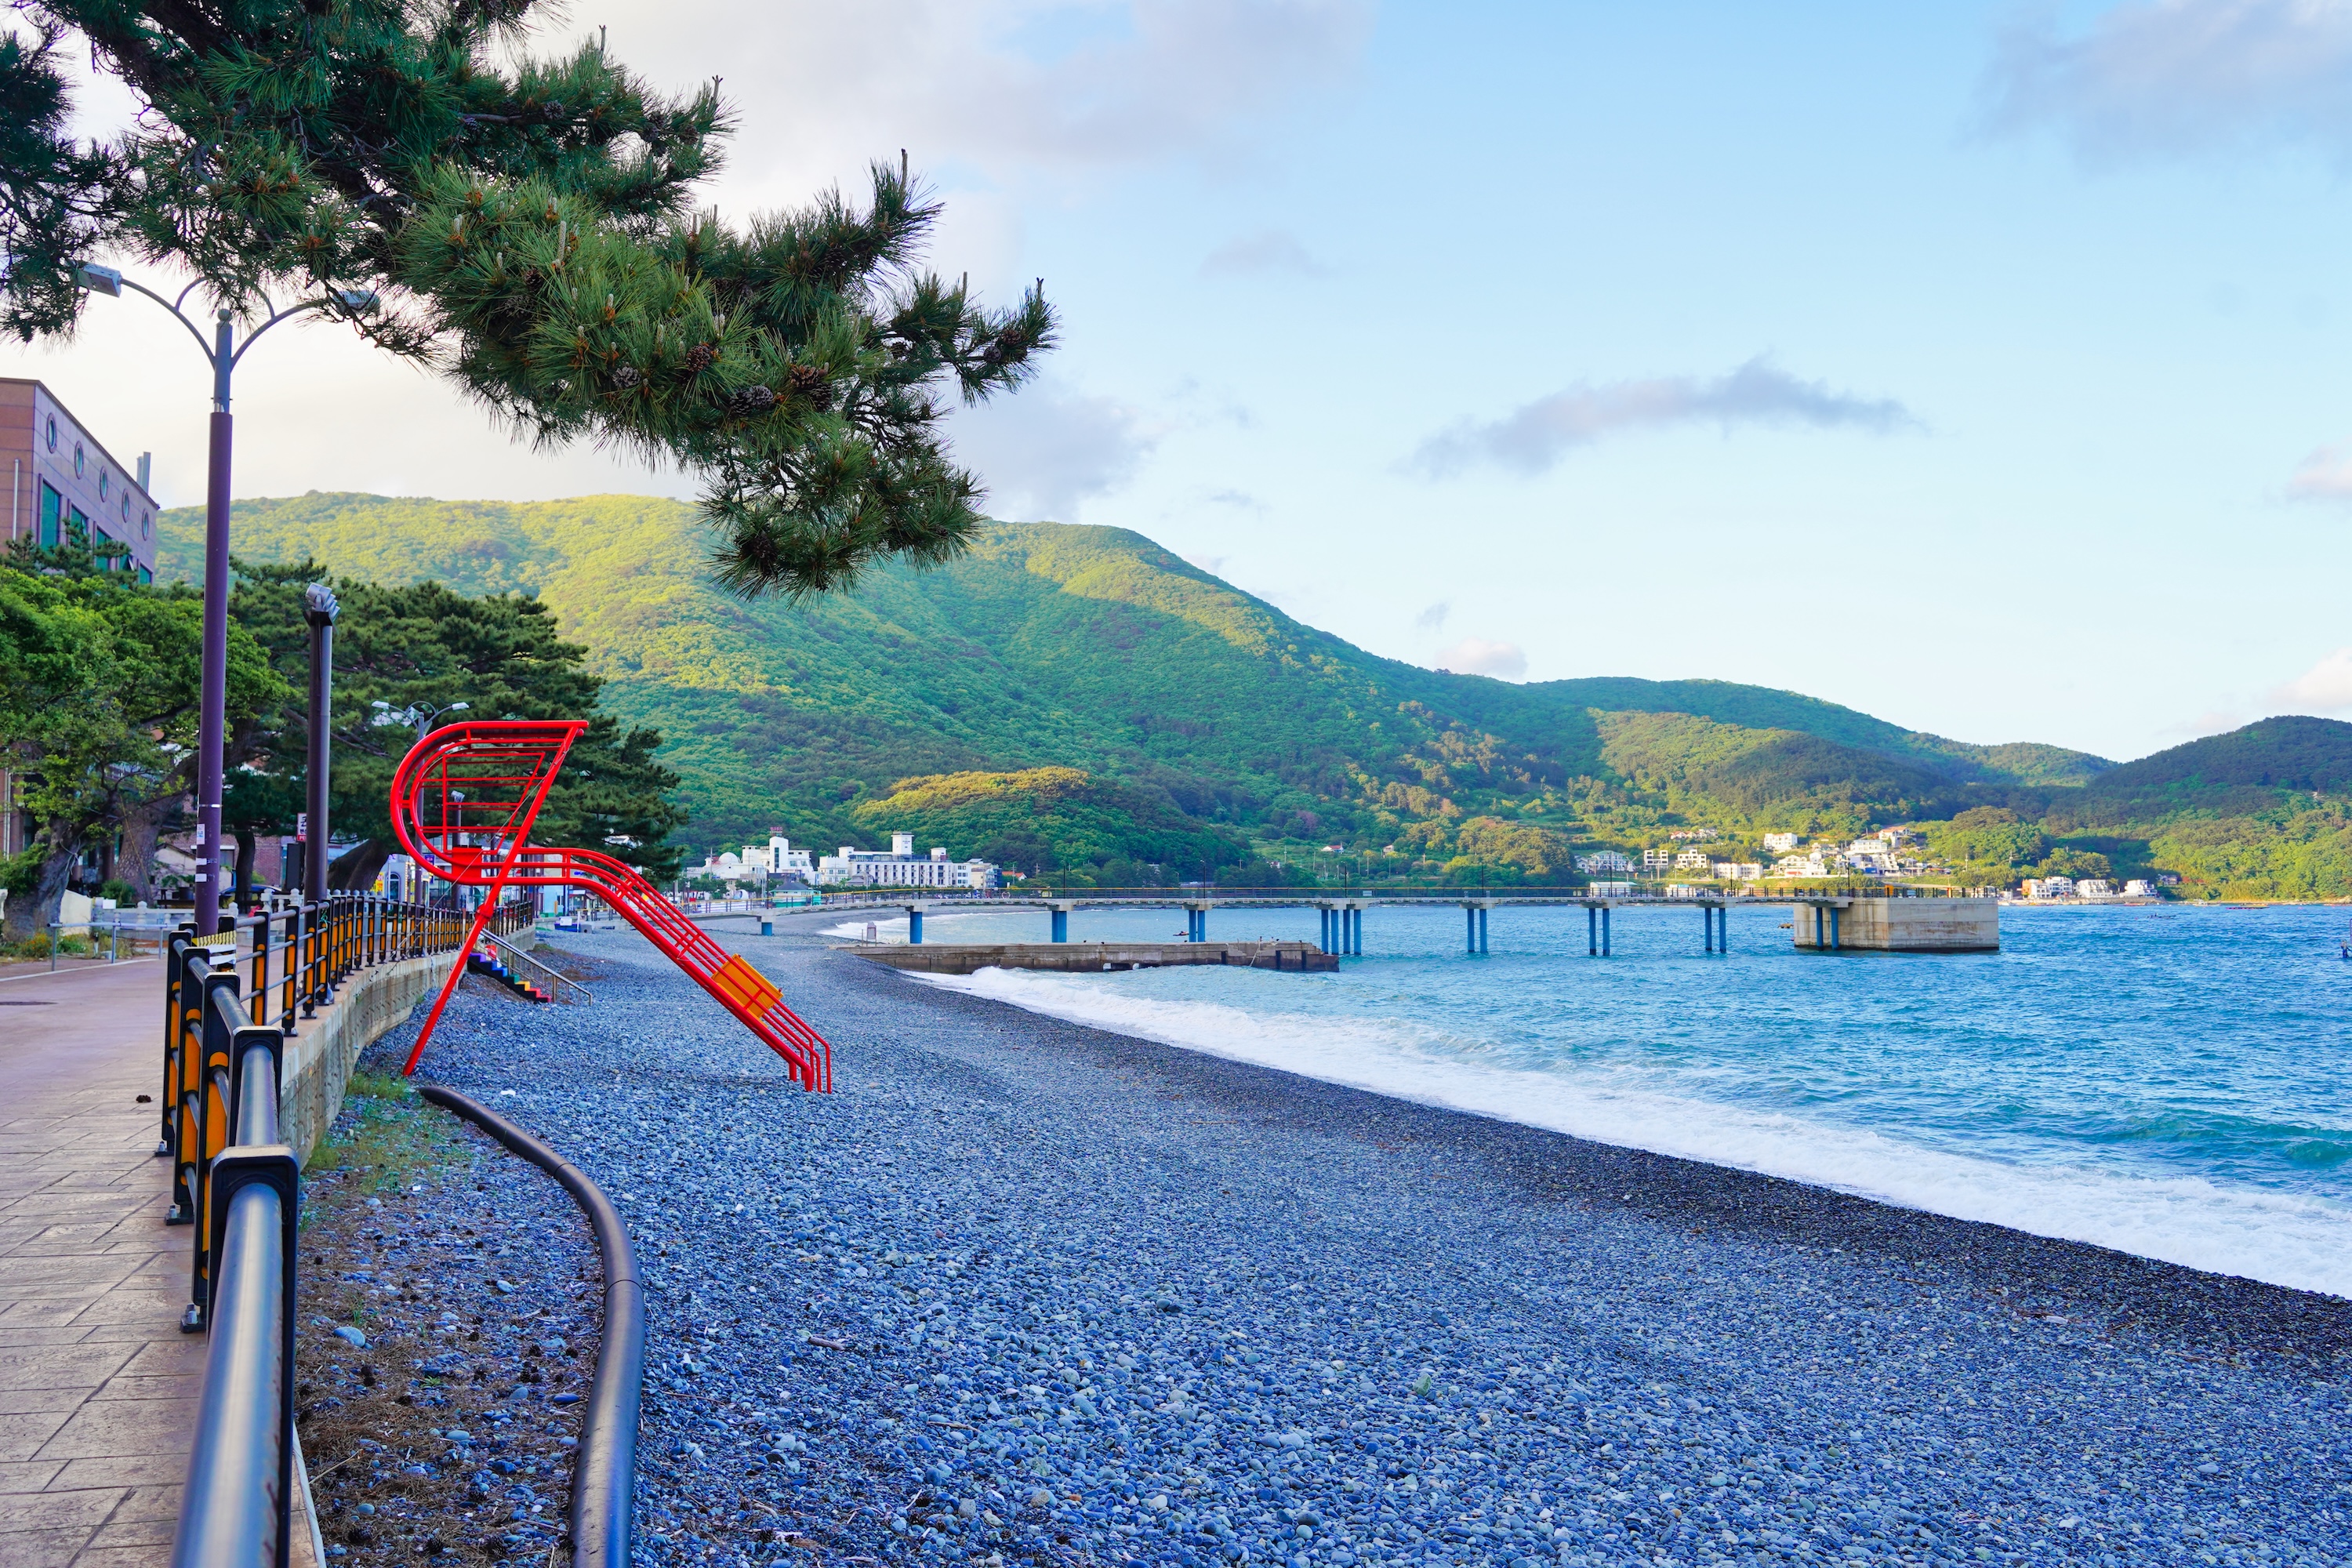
(483, 783)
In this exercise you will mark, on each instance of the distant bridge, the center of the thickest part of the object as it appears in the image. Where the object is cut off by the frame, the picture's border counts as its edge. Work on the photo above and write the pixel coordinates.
(1945, 919)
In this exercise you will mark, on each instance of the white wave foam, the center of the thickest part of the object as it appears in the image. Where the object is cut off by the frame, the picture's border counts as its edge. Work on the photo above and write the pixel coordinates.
(2282, 1239)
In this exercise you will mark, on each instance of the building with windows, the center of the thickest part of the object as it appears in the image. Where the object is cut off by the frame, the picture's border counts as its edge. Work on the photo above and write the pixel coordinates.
(62, 480)
(774, 861)
(59, 480)
(899, 867)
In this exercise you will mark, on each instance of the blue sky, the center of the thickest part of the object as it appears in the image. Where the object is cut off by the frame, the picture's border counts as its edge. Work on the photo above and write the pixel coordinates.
(1988, 370)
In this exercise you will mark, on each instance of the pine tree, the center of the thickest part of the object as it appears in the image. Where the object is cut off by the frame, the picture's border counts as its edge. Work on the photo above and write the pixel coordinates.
(530, 230)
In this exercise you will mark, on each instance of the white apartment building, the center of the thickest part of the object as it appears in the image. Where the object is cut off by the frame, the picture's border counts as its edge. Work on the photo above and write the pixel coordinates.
(776, 859)
(1657, 859)
(1801, 865)
(899, 867)
(1691, 860)
(2138, 888)
(1738, 870)
(1604, 860)
(1783, 843)
(2050, 887)
(2094, 888)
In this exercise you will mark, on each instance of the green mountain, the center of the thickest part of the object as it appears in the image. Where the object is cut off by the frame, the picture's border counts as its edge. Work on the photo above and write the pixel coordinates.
(1079, 699)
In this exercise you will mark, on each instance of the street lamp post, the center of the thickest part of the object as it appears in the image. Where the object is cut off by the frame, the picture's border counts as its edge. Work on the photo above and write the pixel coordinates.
(222, 353)
(318, 609)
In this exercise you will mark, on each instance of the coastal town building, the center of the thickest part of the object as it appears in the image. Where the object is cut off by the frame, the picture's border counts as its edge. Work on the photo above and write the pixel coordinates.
(899, 867)
(2139, 888)
(1657, 859)
(775, 861)
(1783, 843)
(2049, 887)
(1604, 860)
(62, 482)
(1802, 865)
(2096, 888)
(1691, 860)
(1738, 870)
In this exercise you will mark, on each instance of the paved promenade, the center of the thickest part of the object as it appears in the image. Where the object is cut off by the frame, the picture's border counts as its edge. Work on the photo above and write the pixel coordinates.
(97, 1385)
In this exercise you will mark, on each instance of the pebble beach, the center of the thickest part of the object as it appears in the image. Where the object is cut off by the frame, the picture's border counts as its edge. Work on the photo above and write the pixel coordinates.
(1022, 1290)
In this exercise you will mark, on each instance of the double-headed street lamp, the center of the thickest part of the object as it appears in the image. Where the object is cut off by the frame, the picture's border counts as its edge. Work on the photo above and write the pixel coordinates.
(222, 353)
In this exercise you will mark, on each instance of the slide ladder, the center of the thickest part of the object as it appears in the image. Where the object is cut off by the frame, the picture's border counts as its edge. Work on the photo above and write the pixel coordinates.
(463, 803)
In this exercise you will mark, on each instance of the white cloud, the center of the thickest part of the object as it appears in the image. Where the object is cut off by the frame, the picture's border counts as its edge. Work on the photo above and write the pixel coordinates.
(1000, 88)
(1533, 437)
(2326, 475)
(1269, 250)
(1044, 454)
(2165, 77)
(2324, 688)
(1477, 656)
(1000, 103)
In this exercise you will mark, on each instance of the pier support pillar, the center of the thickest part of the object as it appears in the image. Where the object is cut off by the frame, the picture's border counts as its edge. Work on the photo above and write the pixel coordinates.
(1061, 925)
(1470, 932)
(914, 924)
(1482, 932)
(1591, 931)
(1604, 930)
(1706, 920)
(1723, 928)
(1833, 928)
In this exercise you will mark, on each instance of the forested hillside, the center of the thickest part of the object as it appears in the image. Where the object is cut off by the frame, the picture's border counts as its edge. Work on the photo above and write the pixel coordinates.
(1080, 700)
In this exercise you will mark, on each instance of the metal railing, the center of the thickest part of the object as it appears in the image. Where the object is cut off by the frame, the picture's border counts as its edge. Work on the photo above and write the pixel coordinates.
(236, 1179)
(555, 977)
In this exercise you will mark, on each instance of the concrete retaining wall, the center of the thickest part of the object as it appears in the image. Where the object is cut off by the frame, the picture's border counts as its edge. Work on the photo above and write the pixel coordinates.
(1905, 925)
(318, 1059)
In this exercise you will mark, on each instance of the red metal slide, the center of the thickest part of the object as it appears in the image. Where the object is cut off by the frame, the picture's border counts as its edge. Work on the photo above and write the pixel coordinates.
(463, 803)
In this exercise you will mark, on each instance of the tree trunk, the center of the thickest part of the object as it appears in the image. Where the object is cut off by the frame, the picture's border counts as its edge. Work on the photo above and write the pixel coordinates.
(143, 826)
(354, 870)
(32, 914)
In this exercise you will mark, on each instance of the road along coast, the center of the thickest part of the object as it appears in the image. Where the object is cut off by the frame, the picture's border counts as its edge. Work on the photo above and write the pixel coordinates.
(1027, 1291)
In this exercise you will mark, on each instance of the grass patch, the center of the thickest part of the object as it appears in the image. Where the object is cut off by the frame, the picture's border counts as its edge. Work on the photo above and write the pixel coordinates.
(387, 1139)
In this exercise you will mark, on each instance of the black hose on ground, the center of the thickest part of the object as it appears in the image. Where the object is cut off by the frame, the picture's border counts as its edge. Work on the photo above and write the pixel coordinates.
(604, 1478)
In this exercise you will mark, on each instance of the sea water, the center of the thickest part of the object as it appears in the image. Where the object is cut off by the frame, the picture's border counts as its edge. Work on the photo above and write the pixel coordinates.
(2171, 1080)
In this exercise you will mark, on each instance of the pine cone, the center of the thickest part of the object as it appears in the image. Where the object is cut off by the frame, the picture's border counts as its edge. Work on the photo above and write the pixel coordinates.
(627, 378)
(700, 358)
(809, 385)
(750, 401)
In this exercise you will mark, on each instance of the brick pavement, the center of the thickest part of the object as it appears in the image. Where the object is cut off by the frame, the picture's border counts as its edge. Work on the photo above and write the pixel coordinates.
(97, 1385)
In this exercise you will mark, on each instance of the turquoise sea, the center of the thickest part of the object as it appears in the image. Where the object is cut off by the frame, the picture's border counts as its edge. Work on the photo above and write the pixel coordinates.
(2169, 1080)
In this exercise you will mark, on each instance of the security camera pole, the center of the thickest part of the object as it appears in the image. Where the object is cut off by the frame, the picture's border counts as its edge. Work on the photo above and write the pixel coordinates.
(212, 728)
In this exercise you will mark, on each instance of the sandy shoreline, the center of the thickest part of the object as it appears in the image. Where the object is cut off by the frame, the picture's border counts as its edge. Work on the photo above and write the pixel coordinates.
(1327, 1326)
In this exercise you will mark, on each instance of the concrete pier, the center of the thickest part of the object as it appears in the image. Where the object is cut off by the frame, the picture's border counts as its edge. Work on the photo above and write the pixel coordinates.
(1095, 957)
(1898, 925)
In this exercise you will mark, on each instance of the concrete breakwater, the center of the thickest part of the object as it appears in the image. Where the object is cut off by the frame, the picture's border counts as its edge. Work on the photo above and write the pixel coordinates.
(1900, 925)
(944, 958)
